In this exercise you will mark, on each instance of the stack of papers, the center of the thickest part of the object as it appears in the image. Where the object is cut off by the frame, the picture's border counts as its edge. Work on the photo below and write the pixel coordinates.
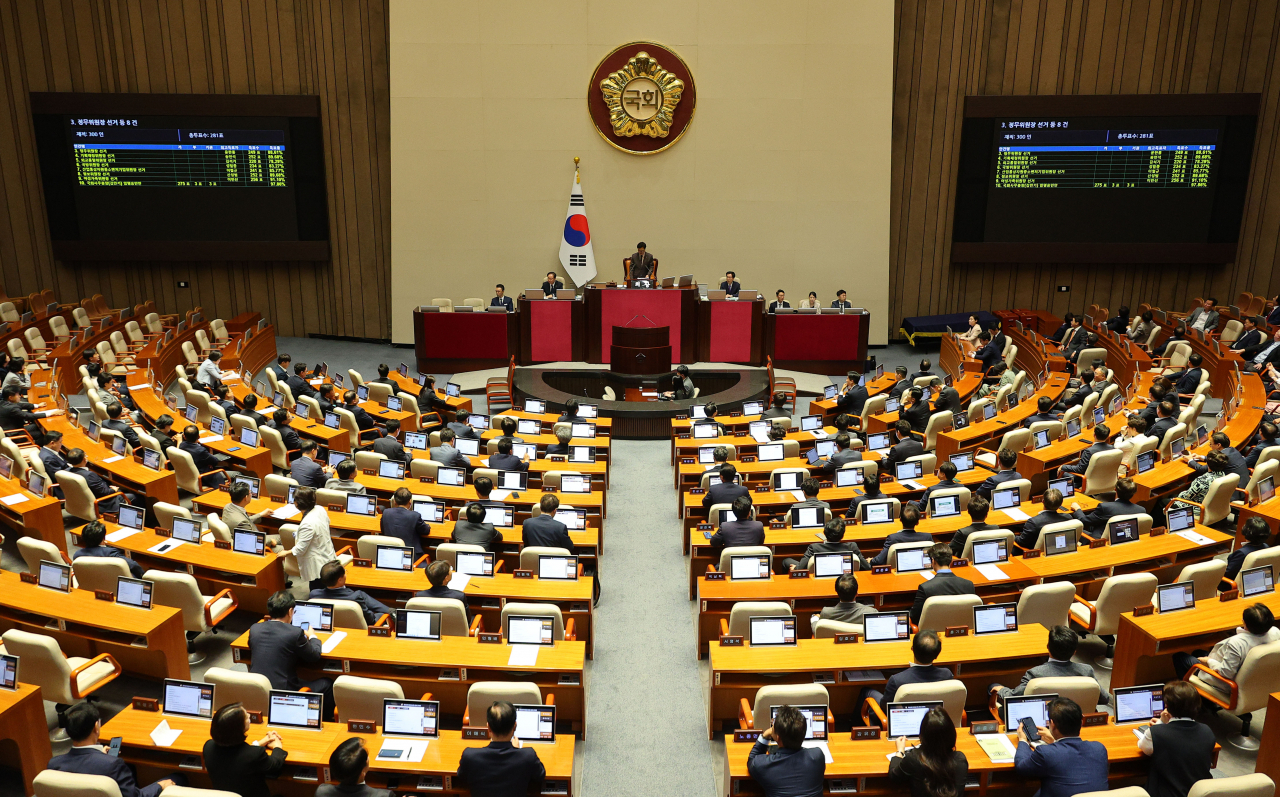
(926, 574)
(821, 745)
(760, 436)
(10, 500)
(459, 581)
(163, 735)
(1016, 514)
(213, 438)
(286, 512)
(142, 386)
(332, 641)
(523, 656)
(1194, 536)
(499, 495)
(117, 536)
(997, 747)
(863, 675)
(111, 459)
(991, 572)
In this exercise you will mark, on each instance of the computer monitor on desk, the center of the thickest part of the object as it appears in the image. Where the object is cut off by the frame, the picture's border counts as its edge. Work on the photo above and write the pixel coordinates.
(905, 718)
(1034, 706)
(886, 626)
(188, 699)
(815, 721)
(414, 719)
(1139, 703)
(296, 710)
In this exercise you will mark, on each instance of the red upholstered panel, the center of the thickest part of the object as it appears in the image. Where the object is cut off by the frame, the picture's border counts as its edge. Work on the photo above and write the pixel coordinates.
(466, 335)
(657, 307)
(731, 331)
(816, 337)
(551, 329)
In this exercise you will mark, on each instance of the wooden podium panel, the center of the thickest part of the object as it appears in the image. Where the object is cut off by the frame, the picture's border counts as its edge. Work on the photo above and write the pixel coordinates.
(674, 308)
(640, 350)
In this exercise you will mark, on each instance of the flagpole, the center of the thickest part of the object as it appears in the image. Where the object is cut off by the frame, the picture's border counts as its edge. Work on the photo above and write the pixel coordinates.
(576, 159)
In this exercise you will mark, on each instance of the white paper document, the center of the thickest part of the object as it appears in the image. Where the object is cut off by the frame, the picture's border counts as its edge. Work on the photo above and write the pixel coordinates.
(499, 495)
(821, 745)
(111, 459)
(163, 735)
(10, 500)
(143, 386)
(286, 512)
(523, 656)
(760, 436)
(997, 747)
(166, 546)
(991, 572)
(484, 463)
(1016, 514)
(459, 581)
(406, 751)
(332, 641)
(1194, 536)
(213, 438)
(798, 495)
(912, 484)
(117, 536)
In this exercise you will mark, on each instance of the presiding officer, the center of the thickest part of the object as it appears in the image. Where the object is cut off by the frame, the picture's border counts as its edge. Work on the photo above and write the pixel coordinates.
(551, 285)
(730, 286)
(641, 264)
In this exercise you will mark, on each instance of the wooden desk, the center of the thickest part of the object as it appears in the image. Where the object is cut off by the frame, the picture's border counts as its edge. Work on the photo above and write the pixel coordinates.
(604, 426)
(23, 743)
(986, 432)
(1269, 753)
(448, 668)
(827, 407)
(1140, 639)
(258, 352)
(687, 445)
(410, 386)
(967, 386)
(598, 470)
(594, 502)
(312, 749)
(333, 439)
(148, 643)
(35, 517)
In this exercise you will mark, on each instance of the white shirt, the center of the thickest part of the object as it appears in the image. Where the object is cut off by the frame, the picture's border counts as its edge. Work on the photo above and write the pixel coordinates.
(1199, 323)
(313, 547)
(1146, 745)
(1262, 355)
(208, 373)
(1227, 656)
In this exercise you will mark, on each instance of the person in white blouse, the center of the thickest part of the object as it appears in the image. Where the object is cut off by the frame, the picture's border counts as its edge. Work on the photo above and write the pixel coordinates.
(312, 546)
(975, 329)
(811, 302)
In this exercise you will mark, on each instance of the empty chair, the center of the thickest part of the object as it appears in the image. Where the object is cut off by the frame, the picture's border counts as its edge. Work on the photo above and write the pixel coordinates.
(34, 550)
(1080, 688)
(367, 546)
(99, 572)
(357, 698)
(54, 783)
(453, 614)
(1119, 594)
(233, 686)
(1206, 576)
(944, 611)
(445, 305)
(1013, 440)
(1252, 785)
(483, 694)
(61, 679)
(560, 629)
(739, 622)
(200, 613)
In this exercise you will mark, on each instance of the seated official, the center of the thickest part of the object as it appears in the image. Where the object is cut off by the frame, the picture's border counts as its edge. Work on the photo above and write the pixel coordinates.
(384, 375)
(351, 403)
(926, 646)
(501, 769)
(203, 459)
(843, 454)
(115, 423)
(682, 386)
(220, 396)
(743, 530)
(1052, 501)
(298, 384)
(1189, 378)
(711, 409)
(53, 458)
(999, 376)
(810, 487)
(250, 410)
(779, 301)
(1101, 436)
(789, 769)
(343, 479)
(1062, 646)
(1227, 656)
(447, 454)
(1268, 436)
(570, 414)
(1081, 393)
(1007, 460)
(1120, 321)
(1180, 748)
(1178, 335)
(503, 459)
(847, 609)
(730, 285)
(901, 383)
(870, 492)
(288, 436)
(1250, 337)
(163, 432)
(1065, 764)
(851, 397)
(906, 447)
(1140, 327)
(945, 397)
(915, 410)
(484, 487)
(305, 470)
(551, 285)
(946, 481)
(1165, 420)
(236, 517)
(979, 508)
(974, 329)
(460, 428)
(988, 353)
(508, 425)
(474, 531)
(561, 447)
(777, 408)
(1096, 521)
(233, 763)
(334, 577)
(17, 414)
(1236, 462)
(438, 574)
(933, 768)
(926, 369)
(208, 374)
(811, 303)
(389, 444)
(349, 765)
(500, 298)
(842, 301)
(544, 531)
(833, 531)
(944, 582)
(91, 538)
(16, 376)
(282, 367)
(1205, 317)
(277, 647)
(1217, 463)
(727, 490)
(400, 521)
(78, 463)
(1044, 412)
(431, 401)
(910, 518)
(641, 265)
(88, 755)
(1256, 535)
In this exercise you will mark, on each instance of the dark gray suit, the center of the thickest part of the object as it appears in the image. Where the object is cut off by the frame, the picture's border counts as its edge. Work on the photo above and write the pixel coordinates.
(944, 582)
(1055, 669)
(107, 552)
(482, 534)
(841, 458)
(782, 772)
(463, 430)
(1096, 520)
(277, 648)
(92, 761)
(546, 532)
(448, 455)
(406, 525)
(308, 473)
(723, 494)
(390, 448)
(737, 533)
(502, 770)
(641, 265)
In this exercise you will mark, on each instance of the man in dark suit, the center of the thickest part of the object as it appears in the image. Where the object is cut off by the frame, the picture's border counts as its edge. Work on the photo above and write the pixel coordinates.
(711, 409)
(946, 398)
(730, 286)
(500, 299)
(305, 470)
(289, 437)
(389, 444)
(642, 264)
(1268, 353)
(1267, 437)
(78, 464)
(910, 519)
(987, 353)
(1083, 392)
(201, 457)
(327, 400)
(743, 530)
(91, 538)
(947, 481)
(925, 649)
(852, 396)
(834, 533)
(1007, 460)
(505, 460)
(447, 454)
(1101, 434)
(335, 588)
(501, 769)
(779, 408)
(1073, 329)
(790, 769)
(348, 765)
(842, 301)
(1189, 379)
(438, 574)
(86, 756)
(842, 455)
(277, 647)
(220, 398)
(1155, 395)
(906, 447)
(298, 384)
(18, 414)
(351, 403)
(551, 284)
(401, 522)
(544, 530)
(384, 375)
(944, 582)
(1088, 340)
(1031, 529)
(779, 301)
(250, 410)
(900, 373)
(53, 457)
(1236, 463)
(115, 424)
(978, 509)
(1062, 647)
(474, 531)
(1045, 406)
(727, 490)
(431, 401)
(461, 428)
(1067, 765)
(1250, 336)
(281, 368)
(1164, 421)
(1096, 520)
(915, 409)
(810, 487)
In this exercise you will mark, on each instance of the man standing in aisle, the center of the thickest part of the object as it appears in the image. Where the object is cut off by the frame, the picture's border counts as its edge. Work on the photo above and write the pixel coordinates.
(640, 264)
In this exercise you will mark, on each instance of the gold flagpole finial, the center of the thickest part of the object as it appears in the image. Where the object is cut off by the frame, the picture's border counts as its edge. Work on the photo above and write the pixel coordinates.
(576, 160)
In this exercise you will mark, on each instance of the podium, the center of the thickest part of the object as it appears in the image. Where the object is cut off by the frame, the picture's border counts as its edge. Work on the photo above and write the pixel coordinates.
(640, 350)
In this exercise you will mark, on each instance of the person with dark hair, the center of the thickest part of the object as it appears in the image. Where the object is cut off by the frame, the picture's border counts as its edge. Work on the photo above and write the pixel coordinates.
(1257, 535)
(710, 410)
(642, 264)
(1250, 336)
(250, 409)
(351, 403)
(220, 399)
(790, 770)
(926, 646)
(334, 577)
(906, 447)
(281, 368)
(400, 521)
(305, 470)
(447, 454)
(233, 763)
(779, 301)
(910, 518)
(1180, 748)
(934, 768)
(503, 459)
(1120, 321)
(1101, 438)
(1007, 460)
(1164, 421)
(833, 531)
(120, 427)
(277, 647)
(902, 381)
(944, 582)
(1081, 393)
(92, 537)
(1189, 377)
(727, 490)
(209, 375)
(915, 410)
(438, 574)
(851, 396)
(235, 513)
(501, 769)
(163, 432)
(1096, 520)
(947, 480)
(778, 408)
(1268, 433)
(1236, 463)
(847, 609)
(1204, 317)
(312, 543)
(570, 413)
(100, 487)
(1052, 500)
(460, 428)
(810, 487)
(83, 724)
(742, 530)
(1063, 642)
(730, 285)
(544, 530)
(298, 384)
(509, 425)
(18, 414)
(202, 458)
(474, 531)
(1065, 764)
(843, 455)
(53, 458)
(1139, 328)
(384, 375)
(343, 478)
(551, 285)
(990, 350)
(945, 397)
(1217, 463)
(348, 765)
(428, 399)
(1227, 656)
(389, 444)
(979, 508)
(484, 488)
(842, 301)
(681, 385)
(999, 376)
(327, 400)
(288, 435)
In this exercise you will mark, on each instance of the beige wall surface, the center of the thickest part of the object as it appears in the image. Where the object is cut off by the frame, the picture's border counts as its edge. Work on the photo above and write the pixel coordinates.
(783, 175)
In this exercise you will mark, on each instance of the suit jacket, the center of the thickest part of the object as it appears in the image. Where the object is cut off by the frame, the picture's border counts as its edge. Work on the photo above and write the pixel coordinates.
(1210, 321)
(300, 387)
(1251, 460)
(641, 265)
(235, 517)
(254, 416)
(723, 494)
(406, 525)
(503, 301)
(944, 582)
(204, 461)
(915, 674)
(1086, 455)
(501, 770)
(15, 415)
(846, 612)
(1078, 397)
(901, 452)
(989, 355)
(1161, 426)
(840, 459)
(243, 768)
(308, 473)
(1236, 560)
(736, 533)
(1246, 340)
(448, 455)
(898, 387)
(508, 462)
(1095, 521)
(372, 608)
(1188, 381)
(852, 400)
(816, 548)
(99, 487)
(547, 532)
(994, 481)
(842, 305)
(917, 415)
(962, 535)
(462, 430)
(277, 648)
(165, 440)
(124, 430)
(344, 485)
(482, 534)
(1065, 768)
(897, 538)
(288, 436)
(359, 790)
(1057, 669)
(442, 591)
(1031, 529)
(390, 448)
(548, 288)
(731, 288)
(775, 412)
(943, 484)
(773, 306)
(53, 462)
(782, 772)
(364, 421)
(1041, 416)
(948, 400)
(92, 761)
(107, 552)
(1235, 464)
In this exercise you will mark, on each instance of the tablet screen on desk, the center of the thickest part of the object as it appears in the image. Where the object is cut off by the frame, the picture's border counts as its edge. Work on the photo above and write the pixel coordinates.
(295, 709)
(1266, 489)
(752, 407)
(810, 423)
(416, 718)
(588, 430)
(513, 480)
(701, 431)
(988, 411)
(905, 718)
(390, 469)
(743, 568)
(987, 552)
(1176, 447)
(770, 452)
(1034, 706)
(336, 458)
(472, 563)
(1059, 542)
(416, 441)
(528, 630)
(959, 420)
(362, 392)
(878, 442)
(118, 445)
(1003, 499)
(393, 557)
(131, 517)
(773, 631)
(394, 404)
(500, 516)
(1180, 519)
(698, 411)
(908, 470)
(944, 506)
(574, 483)
(332, 421)
(478, 422)
(829, 392)
(1041, 438)
(1176, 597)
(302, 411)
(588, 411)
(586, 454)
(452, 389)
(8, 672)
(787, 480)
(807, 517)
(1073, 427)
(848, 477)
(535, 723)
(188, 699)
(250, 542)
(1124, 530)
(1065, 486)
(451, 477)
(1146, 461)
(467, 445)
(874, 512)
(1139, 703)
(825, 448)
(706, 455)
(316, 616)
(36, 482)
(892, 404)
(963, 462)
(815, 721)
(1256, 581)
(573, 519)
(186, 530)
(133, 592)
(217, 425)
(528, 426)
(995, 618)
(886, 626)
(6, 466)
(415, 624)
(559, 568)
(151, 459)
(431, 511)
(252, 481)
(913, 560)
(832, 565)
(535, 406)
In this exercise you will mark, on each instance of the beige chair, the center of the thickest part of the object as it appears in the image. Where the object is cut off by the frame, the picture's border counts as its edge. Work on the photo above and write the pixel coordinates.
(9, 313)
(870, 470)
(379, 392)
(200, 613)
(200, 400)
(1014, 440)
(331, 498)
(1088, 357)
(1023, 485)
(54, 783)
(1231, 331)
(1216, 506)
(81, 318)
(1268, 557)
(759, 714)
(217, 529)
(1047, 604)
(1257, 678)
(421, 468)
(561, 629)
(1260, 472)
(357, 698)
(1175, 432)
(1069, 525)
(530, 553)
(1010, 353)
(483, 694)
(873, 406)
(1140, 445)
(188, 791)
(985, 536)
(355, 436)
(61, 679)
(739, 622)
(58, 326)
(1102, 472)
(1192, 411)
(356, 379)
(939, 422)
(976, 409)
(186, 473)
(952, 693)
(928, 462)
(1127, 791)
(1090, 401)
(726, 556)
(895, 506)
(34, 550)
(1253, 785)
(944, 611)
(448, 551)
(826, 629)
(99, 572)
(453, 614)
(233, 686)
(367, 546)
(368, 460)
(1080, 688)
(1054, 428)
(1206, 577)
(1119, 594)
(80, 500)
(271, 440)
(1002, 397)
(445, 305)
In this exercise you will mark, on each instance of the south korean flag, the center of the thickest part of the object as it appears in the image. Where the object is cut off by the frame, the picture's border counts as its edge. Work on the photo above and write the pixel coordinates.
(576, 256)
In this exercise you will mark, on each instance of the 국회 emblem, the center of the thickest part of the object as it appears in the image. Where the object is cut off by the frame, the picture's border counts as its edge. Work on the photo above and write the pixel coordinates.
(641, 98)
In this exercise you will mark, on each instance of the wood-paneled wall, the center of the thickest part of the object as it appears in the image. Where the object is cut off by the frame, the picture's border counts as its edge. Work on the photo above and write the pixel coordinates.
(947, 49)
(336, 49)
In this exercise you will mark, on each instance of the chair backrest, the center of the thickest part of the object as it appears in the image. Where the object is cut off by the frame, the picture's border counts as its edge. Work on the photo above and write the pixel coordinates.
(1103, 471)
(43, 663)
(952, 693)
(448, 551)
(1088, 356)
(34, 550)
(218, 529)
(483, 694)
(277, 486)
(425, 467)
(1002, 398)
(785, 695)
(530, 553)
(79, 498)
(379, 392)
(1080, 688)
(1191, 413)
(1178, 354)
(1023, 485)
(1010, 353)
(976, 409)
(184, 470)
(1205, 575)
(1262, 471)
(1231, 331)
(331, 498)
(1057, 528)
(180, 591)
(1175, 432)
(726, 556)
(742, 612)
(20, 462)
(942, 611)
(1253, 785)
(82, 319)
(1090, 401)
(1141, 445)
(905, 546)
(1015, 440)
(445, 305)
(1121, 594)
(346, 614)
(189, 352)
(9, 313)
(361, 698)
(153, 322)
(248, 688)
(99, 572)
(984, 536)
(271, 440)
(356, 379)
(873, 406)
(348, 421)
(200, 400)
(826, 629)
(1053, 427)
(166, 512)
(453, 614)
(1217, 502)
(1258, 677)
(1269, 556)
(55, 783)
(367, 546)
(1046, 604)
